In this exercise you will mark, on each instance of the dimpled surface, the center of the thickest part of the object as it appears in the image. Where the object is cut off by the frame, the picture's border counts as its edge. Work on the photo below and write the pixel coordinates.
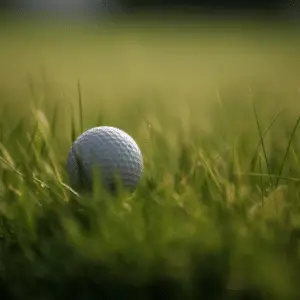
(109, 149)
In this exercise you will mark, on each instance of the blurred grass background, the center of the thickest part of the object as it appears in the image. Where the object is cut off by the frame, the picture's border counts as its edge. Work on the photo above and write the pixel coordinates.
(210, 214)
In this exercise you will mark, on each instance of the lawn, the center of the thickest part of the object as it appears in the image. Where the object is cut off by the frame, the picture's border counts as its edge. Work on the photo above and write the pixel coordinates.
(214, 107)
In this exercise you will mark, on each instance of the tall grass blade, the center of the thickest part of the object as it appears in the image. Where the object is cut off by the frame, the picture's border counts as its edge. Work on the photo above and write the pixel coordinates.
(73, 126)
(262, 142)
(261, 182)
(287, 151)
(80, 106)
(255, 156)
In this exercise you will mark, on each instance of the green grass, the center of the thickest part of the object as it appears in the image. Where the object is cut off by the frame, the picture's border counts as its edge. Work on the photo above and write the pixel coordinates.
(215, 113)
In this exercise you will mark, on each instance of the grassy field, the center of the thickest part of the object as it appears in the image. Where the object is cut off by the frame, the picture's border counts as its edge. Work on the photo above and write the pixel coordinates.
(214, 107)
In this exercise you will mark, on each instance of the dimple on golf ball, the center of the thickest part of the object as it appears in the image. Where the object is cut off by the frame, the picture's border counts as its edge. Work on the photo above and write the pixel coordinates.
(108, 150)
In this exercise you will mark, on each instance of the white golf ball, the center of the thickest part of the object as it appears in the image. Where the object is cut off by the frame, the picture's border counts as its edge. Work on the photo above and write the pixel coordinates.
(111, 151)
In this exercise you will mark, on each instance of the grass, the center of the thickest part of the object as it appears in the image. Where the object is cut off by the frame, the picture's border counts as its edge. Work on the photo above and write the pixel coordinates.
(217, 212)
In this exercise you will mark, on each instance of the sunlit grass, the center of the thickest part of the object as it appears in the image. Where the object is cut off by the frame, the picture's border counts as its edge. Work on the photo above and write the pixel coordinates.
(217, 208)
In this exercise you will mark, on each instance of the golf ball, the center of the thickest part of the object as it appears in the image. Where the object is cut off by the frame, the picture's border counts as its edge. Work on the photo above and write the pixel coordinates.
(110, 150)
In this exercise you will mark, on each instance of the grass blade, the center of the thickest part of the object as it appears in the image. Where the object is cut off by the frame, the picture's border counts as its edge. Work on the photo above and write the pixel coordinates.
(80, 106)
(261, 182)
(262, 141)
(73, 126)
(287, 150)
(17, 172)
(255, 156)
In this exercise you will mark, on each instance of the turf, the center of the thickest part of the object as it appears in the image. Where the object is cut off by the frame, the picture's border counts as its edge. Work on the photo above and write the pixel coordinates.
(214, 109)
